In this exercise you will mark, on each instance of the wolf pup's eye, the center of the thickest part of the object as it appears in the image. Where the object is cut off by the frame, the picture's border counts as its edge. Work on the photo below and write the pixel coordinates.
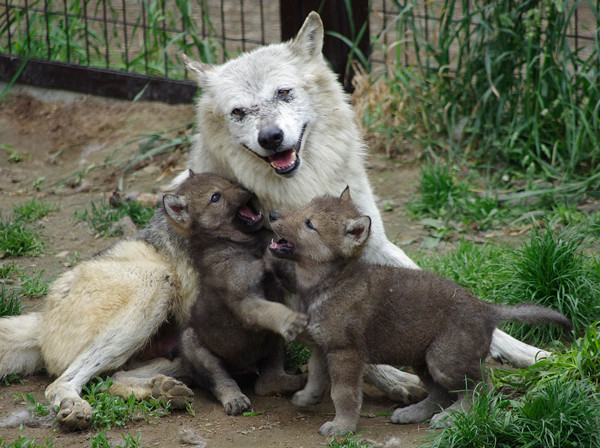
(310, 225)
(215, 197)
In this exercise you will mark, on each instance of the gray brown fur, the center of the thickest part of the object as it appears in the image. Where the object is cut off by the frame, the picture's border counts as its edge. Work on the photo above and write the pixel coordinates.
(362, 313)
(238, 324)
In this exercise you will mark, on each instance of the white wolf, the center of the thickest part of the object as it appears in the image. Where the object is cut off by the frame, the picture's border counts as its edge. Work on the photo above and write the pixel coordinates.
(277, 121)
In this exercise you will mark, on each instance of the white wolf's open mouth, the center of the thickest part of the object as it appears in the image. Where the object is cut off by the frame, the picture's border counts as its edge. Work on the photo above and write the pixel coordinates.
(286, 162)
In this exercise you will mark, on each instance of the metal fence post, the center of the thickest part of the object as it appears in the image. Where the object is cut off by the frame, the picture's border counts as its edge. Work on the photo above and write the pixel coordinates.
(335, 18)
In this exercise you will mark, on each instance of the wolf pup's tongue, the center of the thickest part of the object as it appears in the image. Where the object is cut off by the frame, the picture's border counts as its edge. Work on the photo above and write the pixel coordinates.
(283, 159)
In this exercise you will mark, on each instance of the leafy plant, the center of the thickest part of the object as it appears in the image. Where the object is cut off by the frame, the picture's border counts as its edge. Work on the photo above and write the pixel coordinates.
(26, 442)
(10, 303)
(17, 239)
(109, 410)
(37, 409)
(101, 217)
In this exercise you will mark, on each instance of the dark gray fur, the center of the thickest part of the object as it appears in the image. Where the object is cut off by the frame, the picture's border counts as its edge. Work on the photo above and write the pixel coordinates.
(238, 322)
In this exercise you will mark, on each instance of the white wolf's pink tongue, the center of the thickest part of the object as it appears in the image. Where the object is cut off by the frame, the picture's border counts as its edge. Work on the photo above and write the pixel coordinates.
(283, 159)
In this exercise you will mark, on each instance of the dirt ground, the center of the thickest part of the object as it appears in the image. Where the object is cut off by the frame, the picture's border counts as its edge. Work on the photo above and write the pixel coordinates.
(60, 135)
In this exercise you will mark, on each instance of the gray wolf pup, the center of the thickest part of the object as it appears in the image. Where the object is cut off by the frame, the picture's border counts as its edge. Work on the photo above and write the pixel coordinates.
(277, 121)
(238, 325)
(360, 313)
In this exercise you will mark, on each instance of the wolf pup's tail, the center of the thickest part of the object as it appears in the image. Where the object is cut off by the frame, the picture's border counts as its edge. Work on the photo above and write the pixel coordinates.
(529, 313)
(20, 351)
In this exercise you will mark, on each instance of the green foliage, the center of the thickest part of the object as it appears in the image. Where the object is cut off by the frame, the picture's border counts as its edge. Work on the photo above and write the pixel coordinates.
(561, 414)
(100, 441)
(442, 196)
(17, 239)
(109, 410)
(33, 285)
(101, 217)
(73, 40)
(552, 271)
(33, 210)
(37, 409)
(296, 355)
(348, 441)
(26, 442)
(502, 86)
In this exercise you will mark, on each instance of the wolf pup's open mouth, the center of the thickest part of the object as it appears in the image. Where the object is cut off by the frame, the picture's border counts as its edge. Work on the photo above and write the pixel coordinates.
(281, 247)
(249, 215)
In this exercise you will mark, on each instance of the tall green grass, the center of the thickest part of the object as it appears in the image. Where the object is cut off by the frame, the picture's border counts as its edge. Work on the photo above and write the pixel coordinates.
(499, 84)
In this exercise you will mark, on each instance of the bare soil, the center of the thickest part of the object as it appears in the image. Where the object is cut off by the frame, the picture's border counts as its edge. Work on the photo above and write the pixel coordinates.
(62, 134)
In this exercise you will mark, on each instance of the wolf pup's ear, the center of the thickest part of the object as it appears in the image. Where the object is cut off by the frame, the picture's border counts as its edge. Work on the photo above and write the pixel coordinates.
(346, 194)
(177, 210)
(308, 43)
(358, 229)
(198, 68)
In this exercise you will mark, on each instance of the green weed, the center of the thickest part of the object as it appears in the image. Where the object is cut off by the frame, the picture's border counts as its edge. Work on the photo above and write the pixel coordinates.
(102, 216)
(26, 442)
(10, 303)
(9, 270)
(348, 441)
(37, 409)
(100, 441)
(33, 285)
(17, 239)
(296, 355)
(109, 410)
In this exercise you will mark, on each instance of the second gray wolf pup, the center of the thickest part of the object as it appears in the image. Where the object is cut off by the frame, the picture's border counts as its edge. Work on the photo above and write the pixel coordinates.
(277, 121)
(238, 323)
(360, 313)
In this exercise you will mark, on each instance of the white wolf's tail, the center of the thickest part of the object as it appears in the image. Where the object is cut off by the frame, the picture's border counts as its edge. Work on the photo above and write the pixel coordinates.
(20, 351)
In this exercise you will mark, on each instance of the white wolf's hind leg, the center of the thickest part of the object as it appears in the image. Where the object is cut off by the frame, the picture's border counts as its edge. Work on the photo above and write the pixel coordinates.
(157, 379)
(519, 354)
(397, 385)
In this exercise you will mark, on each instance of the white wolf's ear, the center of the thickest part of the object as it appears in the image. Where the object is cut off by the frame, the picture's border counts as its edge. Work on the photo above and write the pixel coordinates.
(358, 230)
(308, 43)
(198, 68)
(346, 194)
(177, 209)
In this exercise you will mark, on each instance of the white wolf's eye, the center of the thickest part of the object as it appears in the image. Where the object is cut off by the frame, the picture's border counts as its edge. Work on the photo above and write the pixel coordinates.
(310, 225)
(215, 197)
(238, 112)
(284, 94)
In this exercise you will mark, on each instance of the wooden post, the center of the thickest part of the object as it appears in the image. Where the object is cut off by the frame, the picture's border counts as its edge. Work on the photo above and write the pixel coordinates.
(335, 18)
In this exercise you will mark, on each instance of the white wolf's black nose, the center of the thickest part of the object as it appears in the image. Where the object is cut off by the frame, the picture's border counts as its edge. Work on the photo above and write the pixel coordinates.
(272, 215)
(270, 137)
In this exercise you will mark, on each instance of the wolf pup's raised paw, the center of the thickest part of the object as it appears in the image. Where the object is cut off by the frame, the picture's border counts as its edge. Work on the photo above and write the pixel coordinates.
(294, 325)
(74, 414)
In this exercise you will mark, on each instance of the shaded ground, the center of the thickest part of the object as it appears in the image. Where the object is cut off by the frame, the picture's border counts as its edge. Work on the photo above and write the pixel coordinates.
(60, 137)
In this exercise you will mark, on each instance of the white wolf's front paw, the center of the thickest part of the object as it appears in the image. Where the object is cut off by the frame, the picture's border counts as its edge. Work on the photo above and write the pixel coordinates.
(294, 325)
(74, 413)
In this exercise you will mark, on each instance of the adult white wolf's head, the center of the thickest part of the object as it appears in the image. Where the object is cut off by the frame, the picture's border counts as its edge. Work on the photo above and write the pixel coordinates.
(262, 100)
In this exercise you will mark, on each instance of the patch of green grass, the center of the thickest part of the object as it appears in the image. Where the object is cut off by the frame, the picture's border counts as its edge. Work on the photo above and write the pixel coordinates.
(561, 414)
(9, 270)
(100, 441)
(109, 410)
(453, 202)
(11, 379)
(102, 216)
(348, 441)
(552, 271)
(10, 303)
(26, 442)
(34, 285)
(17, 239)
(33, 210)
